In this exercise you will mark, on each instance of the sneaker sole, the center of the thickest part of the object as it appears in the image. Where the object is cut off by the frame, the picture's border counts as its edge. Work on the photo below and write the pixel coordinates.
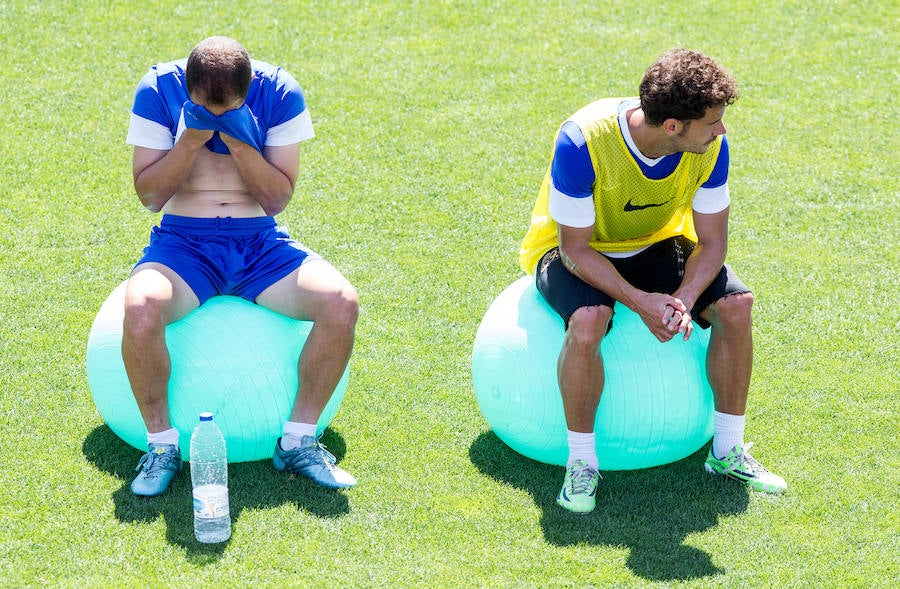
(280, 466)
(759, 488)
(572, 509)
(156, 491)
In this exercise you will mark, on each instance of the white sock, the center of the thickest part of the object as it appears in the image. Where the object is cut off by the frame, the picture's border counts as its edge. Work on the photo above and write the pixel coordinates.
(293, 432)
(169, 436)
(582, 446)
(729, 432)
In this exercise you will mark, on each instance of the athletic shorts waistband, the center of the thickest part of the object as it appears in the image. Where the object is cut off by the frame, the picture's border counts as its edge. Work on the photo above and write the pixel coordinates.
(217, 225)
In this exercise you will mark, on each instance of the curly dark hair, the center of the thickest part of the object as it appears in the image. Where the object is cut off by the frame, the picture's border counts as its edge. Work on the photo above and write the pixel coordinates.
(218, 69)
(683, 85)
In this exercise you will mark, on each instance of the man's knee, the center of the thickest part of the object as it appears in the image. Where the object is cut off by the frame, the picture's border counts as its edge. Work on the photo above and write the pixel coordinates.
(145, 314)
(148, 303)
(146, 310)
(588, 325)
(342, 309)
(734, 311)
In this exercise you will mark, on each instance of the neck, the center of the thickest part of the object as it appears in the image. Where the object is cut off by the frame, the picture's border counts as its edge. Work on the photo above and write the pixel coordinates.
(650, 140)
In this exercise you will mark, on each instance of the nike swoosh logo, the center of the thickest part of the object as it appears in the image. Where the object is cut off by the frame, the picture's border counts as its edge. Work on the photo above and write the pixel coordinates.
(632, 207)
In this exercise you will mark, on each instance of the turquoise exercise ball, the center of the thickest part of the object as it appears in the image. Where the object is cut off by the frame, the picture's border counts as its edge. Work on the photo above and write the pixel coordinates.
(656, 407)
(229, 356)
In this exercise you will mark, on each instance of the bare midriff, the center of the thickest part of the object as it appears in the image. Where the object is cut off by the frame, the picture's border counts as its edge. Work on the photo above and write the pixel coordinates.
(213, 189)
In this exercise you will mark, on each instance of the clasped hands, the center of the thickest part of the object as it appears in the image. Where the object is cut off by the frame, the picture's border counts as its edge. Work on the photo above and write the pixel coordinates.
(238, 123)
(665, 316)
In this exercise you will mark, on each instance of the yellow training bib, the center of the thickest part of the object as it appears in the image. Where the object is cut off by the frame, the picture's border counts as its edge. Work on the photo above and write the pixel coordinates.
(632, 211)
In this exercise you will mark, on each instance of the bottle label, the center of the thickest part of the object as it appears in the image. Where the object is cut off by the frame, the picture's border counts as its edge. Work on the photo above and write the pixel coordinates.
(211, 501)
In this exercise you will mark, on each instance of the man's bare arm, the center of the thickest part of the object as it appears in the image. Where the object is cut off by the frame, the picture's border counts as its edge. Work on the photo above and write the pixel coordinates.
(583, 261)
(269, 177)
(159, 174)
(708, 256)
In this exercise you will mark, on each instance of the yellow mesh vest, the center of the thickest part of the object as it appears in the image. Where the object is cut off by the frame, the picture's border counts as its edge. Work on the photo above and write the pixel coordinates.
(632, 211)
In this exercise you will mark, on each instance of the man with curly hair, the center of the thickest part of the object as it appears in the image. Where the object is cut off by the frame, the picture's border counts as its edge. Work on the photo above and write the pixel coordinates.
(634, 209)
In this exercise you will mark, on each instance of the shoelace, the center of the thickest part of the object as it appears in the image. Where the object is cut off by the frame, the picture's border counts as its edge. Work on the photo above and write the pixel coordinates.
(317, 448)
(153, 463)
(748, 462)
(582, 476)
(326, 455)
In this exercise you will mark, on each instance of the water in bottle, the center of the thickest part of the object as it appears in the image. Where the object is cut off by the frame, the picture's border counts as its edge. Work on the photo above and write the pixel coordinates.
(209, 478)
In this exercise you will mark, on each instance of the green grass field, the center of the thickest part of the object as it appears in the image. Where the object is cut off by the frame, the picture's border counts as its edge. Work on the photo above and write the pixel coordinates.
(434, 125)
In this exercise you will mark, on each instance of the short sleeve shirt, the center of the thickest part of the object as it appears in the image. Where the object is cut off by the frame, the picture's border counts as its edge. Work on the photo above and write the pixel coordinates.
(572, 175)
(275, 99)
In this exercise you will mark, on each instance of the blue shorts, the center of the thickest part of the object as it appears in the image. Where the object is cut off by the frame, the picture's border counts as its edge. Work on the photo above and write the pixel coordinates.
(224, 255)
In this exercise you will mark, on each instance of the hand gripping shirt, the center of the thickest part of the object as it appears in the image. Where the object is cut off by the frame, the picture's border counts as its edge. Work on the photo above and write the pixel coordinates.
(631, 201)
(275, 99)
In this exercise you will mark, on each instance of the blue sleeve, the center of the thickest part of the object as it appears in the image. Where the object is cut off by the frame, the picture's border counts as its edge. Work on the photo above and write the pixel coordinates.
(148, 101)
(571, 171)
(290, 101)
(160, 95)
(719, 175)
(275, 97)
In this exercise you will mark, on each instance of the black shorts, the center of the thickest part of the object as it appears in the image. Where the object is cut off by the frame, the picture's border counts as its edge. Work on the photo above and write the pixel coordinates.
(659, 268)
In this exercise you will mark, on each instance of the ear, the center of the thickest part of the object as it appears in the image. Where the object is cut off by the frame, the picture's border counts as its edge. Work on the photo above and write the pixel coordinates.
(672, 126)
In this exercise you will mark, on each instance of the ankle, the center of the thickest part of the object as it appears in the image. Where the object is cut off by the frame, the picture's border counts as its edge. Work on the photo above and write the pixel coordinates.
(169, 437)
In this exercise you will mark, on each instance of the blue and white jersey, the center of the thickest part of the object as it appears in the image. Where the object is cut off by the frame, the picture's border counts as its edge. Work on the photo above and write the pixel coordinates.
(572, 175)
(275, 99)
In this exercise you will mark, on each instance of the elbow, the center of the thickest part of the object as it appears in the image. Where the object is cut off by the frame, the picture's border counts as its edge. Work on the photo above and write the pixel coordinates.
(275, 203)
(149, 201)
(271, 211)
(272, 208)
(568, 260)
(720, 246)
(152, 201)
(715, 249)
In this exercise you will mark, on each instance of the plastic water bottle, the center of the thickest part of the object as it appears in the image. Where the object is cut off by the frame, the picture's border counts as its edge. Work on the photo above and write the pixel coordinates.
(209, 478)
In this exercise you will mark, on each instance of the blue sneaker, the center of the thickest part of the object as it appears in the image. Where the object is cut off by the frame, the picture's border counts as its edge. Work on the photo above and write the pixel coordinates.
(157, 469)
(313, 461)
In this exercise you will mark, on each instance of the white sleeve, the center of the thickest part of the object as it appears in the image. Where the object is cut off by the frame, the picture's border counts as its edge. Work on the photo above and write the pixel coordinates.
(571, 211)
(293, 131)
(711, 200)
(146, 133)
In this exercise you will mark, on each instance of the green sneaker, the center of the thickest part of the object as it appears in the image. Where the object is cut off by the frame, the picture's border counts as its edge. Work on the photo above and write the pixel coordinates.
(741, 466)
(157, 469)
(312, 460)
(579, 490)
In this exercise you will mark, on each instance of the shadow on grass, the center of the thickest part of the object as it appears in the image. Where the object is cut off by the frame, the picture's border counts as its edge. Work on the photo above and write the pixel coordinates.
(253, 485)
(650, 511)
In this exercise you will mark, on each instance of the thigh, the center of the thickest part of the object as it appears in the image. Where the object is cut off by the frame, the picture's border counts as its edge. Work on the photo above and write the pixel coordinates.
(308, 291)
(726, 283)
(263, 260)
(183, 259)
(659, 268)
(564, 291)
(155, 284)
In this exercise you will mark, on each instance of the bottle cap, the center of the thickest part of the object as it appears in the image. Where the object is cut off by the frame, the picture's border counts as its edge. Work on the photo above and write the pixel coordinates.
(206, 416)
